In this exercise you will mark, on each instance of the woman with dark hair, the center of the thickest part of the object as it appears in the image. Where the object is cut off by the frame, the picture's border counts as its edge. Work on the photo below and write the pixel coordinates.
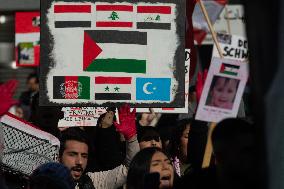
(178, 146)
(151, 168)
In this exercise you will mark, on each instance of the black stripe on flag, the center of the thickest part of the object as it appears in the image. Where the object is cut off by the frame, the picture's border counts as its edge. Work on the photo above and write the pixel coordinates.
(57, 81)
(122, 37)
(152, 25)
(113, 96)
(72, 24)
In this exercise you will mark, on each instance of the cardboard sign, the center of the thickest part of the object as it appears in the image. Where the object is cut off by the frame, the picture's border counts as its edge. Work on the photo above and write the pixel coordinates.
(175, 110)
(233, 47)
(112, 52)
(223, 90)
(80, 116)
(27, 28)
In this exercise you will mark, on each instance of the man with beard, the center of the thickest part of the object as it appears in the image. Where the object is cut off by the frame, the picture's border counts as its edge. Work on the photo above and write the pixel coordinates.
(75, 149)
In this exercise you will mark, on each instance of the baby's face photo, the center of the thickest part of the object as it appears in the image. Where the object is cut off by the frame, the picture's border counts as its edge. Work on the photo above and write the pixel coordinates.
(223, 92)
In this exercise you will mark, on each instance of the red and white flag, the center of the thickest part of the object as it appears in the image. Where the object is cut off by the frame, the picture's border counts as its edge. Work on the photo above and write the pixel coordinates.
(200, 27)
(27, 27)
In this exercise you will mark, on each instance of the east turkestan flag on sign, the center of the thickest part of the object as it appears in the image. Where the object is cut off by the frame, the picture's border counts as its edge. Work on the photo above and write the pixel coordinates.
(153, 89)
(114, 51)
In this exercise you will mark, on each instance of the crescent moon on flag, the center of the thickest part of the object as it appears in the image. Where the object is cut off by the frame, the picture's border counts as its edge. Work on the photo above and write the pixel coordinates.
(145, 88)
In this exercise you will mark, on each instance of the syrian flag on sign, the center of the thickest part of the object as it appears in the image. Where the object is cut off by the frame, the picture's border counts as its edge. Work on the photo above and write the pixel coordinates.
(114, 51)
(72, 15)
(114, 16)
(200, 27)
(71, 87)
(154, 17)
(112, 88)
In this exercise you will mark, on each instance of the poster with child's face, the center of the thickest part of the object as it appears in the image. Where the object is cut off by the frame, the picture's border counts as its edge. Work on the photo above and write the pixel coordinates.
(223, 90)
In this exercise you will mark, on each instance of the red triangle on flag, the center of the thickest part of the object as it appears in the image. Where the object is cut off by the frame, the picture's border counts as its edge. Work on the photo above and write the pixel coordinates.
(90, 51)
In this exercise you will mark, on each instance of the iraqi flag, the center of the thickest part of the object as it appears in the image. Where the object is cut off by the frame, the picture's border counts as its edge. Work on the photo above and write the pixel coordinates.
(112, 88)
(27, 38)
(154, 17)
(72, 15)
(114, 51)
(200, 27)
(114, 16)
(229, 69)
(71, 87)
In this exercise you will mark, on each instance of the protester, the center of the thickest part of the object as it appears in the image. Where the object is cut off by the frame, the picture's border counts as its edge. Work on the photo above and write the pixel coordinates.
(151, 168)
(52, 176)
(222, 92)
(108, 148)
(148, 136)
(234, 146)
(178, 146)
(75, 149)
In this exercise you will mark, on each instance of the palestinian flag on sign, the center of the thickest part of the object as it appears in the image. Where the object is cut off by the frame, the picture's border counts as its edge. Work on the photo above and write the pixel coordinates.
(72, 15)
(229, 69)
(114, 16)
(112, 88)
(154, 17)
(71, 87)
(114, 51)
(200, 27)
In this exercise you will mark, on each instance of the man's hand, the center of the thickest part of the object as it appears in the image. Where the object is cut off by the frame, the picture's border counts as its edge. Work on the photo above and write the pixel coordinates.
(127, 125)
(147, 118)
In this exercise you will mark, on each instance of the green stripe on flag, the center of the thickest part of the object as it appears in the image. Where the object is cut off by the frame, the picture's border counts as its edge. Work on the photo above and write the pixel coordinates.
(230, 73)
(118, 65)
(85, 81)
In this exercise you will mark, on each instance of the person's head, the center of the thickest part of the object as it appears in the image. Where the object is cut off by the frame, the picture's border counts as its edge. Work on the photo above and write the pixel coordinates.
(33, 82)
(149, 161)
(148, 136)
(106, 120)
(223, 91)
(74, 151)
(51, 175)
(234, 148)
(179, 140)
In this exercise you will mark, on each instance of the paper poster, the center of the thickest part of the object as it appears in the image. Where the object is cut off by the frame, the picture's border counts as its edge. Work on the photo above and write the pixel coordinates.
(80, 116)
(233, 20)
(27, 28)
(175, 110)
(112, 52)
(233, 47)
(223, 90)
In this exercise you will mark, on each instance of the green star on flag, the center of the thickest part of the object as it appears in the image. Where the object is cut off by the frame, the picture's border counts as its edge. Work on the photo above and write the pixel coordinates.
(116, 89)
(107, 88)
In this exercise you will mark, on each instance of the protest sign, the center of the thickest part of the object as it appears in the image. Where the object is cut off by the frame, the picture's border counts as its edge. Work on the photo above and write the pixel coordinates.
(81, 116)
(230, 21)
(27, 28)
(175, 110)
(233, 47)
(112, 52)
(223, 90)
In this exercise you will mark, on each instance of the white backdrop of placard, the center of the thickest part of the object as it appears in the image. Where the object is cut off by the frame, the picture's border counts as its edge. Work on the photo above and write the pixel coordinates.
(225, 69)
(175, 110)
(233, 47)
